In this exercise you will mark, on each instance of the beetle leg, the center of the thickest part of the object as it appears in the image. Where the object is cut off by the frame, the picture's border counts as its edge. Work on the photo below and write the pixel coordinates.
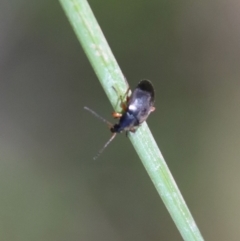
(152, 109)
(133, 129)
(116, 115)
(123, 102)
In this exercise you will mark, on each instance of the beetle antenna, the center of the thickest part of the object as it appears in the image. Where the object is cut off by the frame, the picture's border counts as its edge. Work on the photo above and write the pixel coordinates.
(98, 116)
(107, 143)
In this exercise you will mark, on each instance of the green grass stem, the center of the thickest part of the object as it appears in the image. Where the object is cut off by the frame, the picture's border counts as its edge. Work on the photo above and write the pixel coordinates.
(109, 74)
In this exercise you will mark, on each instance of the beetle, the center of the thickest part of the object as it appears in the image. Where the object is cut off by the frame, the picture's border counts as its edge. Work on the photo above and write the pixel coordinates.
(135, 110)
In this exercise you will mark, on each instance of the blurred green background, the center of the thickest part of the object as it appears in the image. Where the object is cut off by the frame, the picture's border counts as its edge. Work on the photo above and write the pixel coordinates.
(50, 187)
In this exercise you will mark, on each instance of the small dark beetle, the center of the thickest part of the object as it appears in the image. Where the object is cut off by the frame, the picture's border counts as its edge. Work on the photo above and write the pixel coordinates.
(135, 110)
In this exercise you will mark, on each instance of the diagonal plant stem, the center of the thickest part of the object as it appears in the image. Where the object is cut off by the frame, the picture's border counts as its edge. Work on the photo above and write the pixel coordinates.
(109, 73)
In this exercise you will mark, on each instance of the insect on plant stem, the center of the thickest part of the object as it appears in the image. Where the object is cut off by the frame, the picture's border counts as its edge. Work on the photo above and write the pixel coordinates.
(135, 110)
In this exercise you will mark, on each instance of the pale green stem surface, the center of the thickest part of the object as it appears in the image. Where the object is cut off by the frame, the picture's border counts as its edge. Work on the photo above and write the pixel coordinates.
(106, 68)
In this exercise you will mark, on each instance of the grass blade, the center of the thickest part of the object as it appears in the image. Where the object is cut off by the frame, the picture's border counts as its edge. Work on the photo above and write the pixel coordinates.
(106, 68)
